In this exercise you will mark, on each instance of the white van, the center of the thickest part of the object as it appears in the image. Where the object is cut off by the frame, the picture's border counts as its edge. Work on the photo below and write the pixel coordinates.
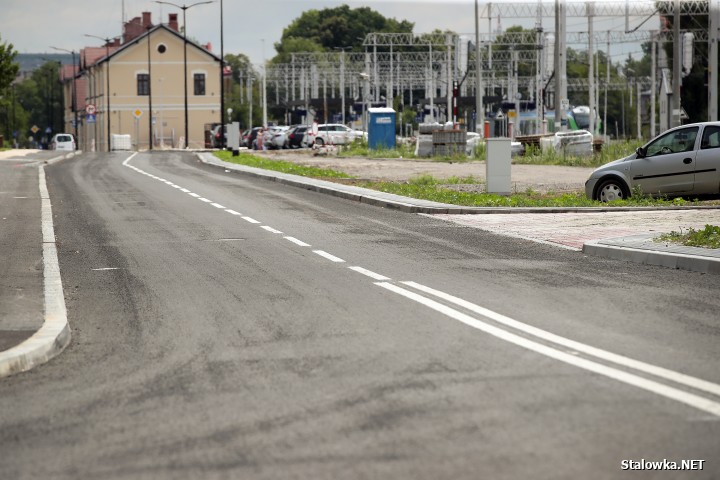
(63, 141)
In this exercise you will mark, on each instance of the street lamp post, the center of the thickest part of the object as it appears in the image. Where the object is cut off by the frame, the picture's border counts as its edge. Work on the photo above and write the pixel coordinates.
(107, 83)
(184, 8)
(73, 103)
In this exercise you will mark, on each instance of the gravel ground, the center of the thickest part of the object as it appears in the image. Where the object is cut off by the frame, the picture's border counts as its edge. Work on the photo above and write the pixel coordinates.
(541, 178)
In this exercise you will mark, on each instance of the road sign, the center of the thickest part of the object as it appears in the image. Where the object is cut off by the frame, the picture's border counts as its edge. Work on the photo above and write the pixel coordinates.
(90, 109)
(137, 113)
(90, 118)
(34, 129)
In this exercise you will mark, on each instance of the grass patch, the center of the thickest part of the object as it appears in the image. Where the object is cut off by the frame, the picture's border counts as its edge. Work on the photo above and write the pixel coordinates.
(427, 187)
(280, 165)
(709, 237)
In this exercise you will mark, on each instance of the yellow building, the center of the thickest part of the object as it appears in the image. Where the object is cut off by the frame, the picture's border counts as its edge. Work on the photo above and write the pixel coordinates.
(145, 72)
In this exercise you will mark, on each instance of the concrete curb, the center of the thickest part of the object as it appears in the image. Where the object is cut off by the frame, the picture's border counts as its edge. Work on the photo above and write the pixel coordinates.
(642, 249)
(54, 335)
(409, 205)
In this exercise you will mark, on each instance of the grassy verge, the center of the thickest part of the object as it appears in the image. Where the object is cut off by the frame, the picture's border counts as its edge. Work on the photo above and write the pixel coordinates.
(709, 237)
(280, 166)
(429, 188)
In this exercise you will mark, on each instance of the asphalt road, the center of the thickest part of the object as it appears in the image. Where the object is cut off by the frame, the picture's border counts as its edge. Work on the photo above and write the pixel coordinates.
(229, 327)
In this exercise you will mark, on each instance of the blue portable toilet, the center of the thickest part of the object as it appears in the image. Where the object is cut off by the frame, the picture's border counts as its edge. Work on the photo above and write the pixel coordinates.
(381, 128)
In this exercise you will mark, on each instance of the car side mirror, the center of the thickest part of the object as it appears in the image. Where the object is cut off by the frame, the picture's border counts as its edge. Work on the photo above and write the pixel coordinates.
(641, 153)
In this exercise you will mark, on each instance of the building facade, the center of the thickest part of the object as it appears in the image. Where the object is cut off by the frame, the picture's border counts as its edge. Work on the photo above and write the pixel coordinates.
(137, 84)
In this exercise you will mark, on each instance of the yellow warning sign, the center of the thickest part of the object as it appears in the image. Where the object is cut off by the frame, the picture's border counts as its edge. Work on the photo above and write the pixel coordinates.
(137, 113)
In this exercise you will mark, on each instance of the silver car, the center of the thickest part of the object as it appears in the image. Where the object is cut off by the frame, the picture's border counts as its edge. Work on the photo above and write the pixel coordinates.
(684, 160)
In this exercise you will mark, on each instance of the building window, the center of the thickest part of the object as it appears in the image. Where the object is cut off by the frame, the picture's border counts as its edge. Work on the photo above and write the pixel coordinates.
(199, 80)
(143, 84)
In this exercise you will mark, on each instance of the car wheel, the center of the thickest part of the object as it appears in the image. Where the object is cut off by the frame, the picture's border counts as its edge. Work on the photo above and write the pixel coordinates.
(319, 142)
(612, 189)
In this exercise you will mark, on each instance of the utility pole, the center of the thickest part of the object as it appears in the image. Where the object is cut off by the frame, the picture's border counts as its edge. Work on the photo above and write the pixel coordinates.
(264, 88)
(653, 83)
(560, 67)
(713, 73)
(677, 79)
(591, 69)
(479, 116)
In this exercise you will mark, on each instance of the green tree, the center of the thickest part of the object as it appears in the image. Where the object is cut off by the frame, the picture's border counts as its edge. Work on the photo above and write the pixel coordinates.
(693, 94)
(8, 67)
(336, 28)
(8, 71)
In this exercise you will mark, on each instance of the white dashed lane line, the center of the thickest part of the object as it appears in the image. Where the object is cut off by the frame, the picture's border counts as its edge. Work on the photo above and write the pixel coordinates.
(369, 273)
(296, 241)
(562, 355)
(329, 256)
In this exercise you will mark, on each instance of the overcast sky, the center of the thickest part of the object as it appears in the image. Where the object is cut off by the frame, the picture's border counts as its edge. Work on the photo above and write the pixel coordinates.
(33, 26)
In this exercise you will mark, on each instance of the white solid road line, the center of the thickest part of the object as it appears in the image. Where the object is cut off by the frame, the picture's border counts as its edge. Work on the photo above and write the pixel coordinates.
(330, 257)
(54, 334)
(671, 375)
(690, 399)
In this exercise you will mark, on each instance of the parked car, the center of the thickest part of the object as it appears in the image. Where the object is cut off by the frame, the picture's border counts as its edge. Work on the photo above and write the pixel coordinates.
(276, 137)
(684, 160)
(294, 136)
(63, 141)
(336, 134)
(250, 140)
(215, 139)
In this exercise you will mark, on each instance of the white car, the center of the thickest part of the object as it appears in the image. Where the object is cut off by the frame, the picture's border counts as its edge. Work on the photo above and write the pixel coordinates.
(63, 141)
(278, 137)
(336, 134)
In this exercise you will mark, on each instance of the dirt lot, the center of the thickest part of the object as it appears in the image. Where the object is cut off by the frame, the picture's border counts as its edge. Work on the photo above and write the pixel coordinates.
(541, 178)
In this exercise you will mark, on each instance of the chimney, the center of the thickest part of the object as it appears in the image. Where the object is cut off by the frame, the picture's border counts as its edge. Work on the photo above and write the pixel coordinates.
(173, 21)
(147, 19)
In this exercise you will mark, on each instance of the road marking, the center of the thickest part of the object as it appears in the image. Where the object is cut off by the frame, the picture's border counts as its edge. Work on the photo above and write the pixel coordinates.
(104, 269)
(185, 190)
(54, 334)
(672, 393)
(217, 205)
(203, 199)
(270, 229)
(330, 257)
(370, 273)
(233, 212)
(297, 242)
(194, 195)
(250, 219)
(671, 375)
